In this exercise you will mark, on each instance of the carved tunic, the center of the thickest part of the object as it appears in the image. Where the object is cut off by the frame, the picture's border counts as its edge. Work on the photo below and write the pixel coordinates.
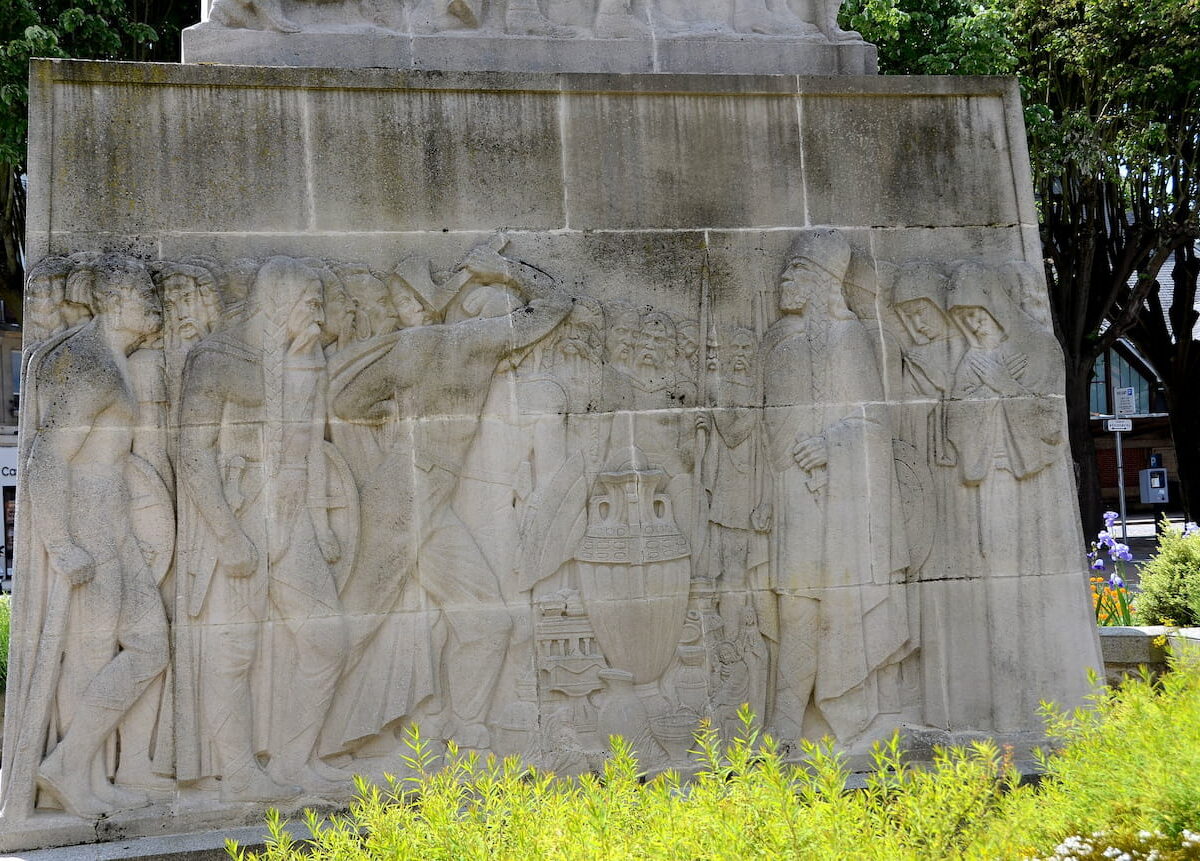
(821, 380)
(838, 538)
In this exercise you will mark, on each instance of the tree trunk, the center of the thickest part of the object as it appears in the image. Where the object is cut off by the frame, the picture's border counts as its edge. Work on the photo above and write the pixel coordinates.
(1083, 448)
(1184, 408)
(12, 239)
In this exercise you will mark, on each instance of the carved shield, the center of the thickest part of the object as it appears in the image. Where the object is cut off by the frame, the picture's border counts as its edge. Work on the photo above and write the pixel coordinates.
(342, 496)
(916, 501)
(152, 515)
(554, 523)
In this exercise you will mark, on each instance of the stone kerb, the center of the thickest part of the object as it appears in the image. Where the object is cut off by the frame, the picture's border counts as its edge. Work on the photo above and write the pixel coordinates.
(1127, 650)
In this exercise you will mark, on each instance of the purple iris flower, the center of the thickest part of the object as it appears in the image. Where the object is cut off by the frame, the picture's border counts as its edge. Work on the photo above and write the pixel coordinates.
(1115, 581)
(1098, 565)
(1104, 539)
(1110, 517)
(1120, 551)
(1190, 528)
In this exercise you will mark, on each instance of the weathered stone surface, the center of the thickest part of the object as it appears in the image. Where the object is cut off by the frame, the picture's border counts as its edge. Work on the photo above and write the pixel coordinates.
(743, 37)
(529, 409)
(208, 44)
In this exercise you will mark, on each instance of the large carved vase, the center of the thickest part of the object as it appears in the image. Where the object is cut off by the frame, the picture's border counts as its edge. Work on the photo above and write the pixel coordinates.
(634, 571)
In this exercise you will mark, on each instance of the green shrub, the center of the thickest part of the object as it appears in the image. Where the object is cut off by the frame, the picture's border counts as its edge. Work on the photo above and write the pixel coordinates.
(5, 619)
(1170, 580)
(1129, 768)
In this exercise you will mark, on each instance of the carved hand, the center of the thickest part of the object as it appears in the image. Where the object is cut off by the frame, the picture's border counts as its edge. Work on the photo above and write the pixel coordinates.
(995, 375)
(810, 452)
(379, 413)
(703, 421)
(331, 548)
(1016, 364)
(488, 266)
(73, 562)
(238, 555)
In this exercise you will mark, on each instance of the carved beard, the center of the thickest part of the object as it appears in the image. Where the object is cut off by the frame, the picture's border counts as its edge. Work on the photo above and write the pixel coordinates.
(576, 348)
(738, 389)
(650, 360)
(741, 377)
(185, 333)
(309, 336)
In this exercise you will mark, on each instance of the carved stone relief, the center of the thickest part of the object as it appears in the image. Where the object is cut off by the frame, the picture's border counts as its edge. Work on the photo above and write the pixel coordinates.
(554, 19)
(288, 508)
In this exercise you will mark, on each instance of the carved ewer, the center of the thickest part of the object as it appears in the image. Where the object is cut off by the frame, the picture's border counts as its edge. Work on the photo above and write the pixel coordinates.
(690, 676)
(634, 571)
(623, 712)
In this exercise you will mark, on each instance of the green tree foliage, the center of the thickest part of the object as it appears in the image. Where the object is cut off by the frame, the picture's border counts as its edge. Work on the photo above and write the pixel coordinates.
(934, 37)
(1112, 96)
(1112, 89)
(91, 29)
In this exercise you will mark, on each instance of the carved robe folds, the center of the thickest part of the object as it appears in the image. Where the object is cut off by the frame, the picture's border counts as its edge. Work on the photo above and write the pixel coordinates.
(838, 539)
(515, 518)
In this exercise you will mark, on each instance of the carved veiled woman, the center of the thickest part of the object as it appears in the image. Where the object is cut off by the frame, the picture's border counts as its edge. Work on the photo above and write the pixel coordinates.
(1006, 424)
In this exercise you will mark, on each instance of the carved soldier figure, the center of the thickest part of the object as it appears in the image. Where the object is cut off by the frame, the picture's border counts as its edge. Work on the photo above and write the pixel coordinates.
(253, 464)
(152, 514)
(621, 339)
(836, 549)
(191, 304)
(437, 378)
(641, 381)
(572, 362)
(101, 606)
(374, 311)
(731, 474)
(45, 291)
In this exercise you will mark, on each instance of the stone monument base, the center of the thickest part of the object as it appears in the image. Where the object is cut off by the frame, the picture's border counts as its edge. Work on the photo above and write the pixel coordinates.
(121, 844)
(528, 409)
(374, 48)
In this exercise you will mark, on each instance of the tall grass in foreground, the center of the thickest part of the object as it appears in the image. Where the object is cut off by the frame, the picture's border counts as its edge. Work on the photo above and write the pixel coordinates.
(1129, 770)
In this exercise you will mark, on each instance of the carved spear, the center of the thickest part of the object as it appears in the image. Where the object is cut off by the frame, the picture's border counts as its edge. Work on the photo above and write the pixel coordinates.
(700, 523)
